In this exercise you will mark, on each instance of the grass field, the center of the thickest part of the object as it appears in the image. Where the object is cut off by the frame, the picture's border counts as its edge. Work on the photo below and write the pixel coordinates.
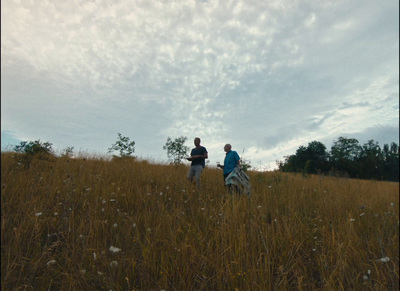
(93, 224)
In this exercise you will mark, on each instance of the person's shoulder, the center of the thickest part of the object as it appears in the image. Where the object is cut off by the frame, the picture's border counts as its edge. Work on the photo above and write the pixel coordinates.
(204, 148)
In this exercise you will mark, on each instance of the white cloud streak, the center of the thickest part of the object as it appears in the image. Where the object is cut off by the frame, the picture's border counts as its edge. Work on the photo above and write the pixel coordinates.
(267, 76)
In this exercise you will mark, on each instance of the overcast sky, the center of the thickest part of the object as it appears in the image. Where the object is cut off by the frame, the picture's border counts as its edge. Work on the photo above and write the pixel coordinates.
(266, 76)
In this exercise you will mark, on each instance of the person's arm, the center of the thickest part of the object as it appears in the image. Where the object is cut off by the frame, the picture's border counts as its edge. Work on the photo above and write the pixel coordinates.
(204, 155)
(238, 160)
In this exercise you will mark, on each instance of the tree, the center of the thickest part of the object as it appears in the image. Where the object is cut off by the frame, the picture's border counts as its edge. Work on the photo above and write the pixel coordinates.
(391, 162)
(318, 157)
(347, 157)
(344, 154)
(124, 146)
(34, 147)
(371, 161)
(176, 149)
(309, 160)
(288, 165)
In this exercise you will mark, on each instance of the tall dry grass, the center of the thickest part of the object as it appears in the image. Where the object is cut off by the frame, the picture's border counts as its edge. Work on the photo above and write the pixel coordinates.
(92, 224)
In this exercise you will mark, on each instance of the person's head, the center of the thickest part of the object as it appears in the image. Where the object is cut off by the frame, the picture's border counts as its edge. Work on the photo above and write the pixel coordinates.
(197, 141)
(227, 147)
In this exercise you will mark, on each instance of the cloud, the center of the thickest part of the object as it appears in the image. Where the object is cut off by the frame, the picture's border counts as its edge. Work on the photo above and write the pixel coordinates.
(266, 76)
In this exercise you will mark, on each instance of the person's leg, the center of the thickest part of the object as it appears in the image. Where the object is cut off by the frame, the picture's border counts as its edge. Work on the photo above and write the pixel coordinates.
(191, 173)
(198, 171)
(227, 186)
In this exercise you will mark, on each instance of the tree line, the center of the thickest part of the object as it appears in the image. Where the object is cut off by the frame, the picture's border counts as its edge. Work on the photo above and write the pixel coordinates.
(346, 157)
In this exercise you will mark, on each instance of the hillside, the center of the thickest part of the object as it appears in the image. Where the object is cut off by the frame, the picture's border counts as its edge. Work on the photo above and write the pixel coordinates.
(92, 224)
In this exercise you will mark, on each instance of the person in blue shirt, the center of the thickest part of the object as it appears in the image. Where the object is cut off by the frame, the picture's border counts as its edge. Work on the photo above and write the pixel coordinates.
(198, 156)
(230, 162)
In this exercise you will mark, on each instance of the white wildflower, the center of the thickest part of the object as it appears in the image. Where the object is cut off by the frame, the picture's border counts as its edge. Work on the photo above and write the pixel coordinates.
(161, 193)
(314, 250)
(94, 256)
(114, 249)
(100, 273)
(55, 213)
(384, 260)
(115, 225)
(259, 206)
(83, 271)
(38, 214)
(114, 264)
(202, 209)
(113, 200)
(104, 201)
(392, 204)
(352, 219)
(51, 262)
(134, 225)
(362, 214)
(102, 210)
(365, 277)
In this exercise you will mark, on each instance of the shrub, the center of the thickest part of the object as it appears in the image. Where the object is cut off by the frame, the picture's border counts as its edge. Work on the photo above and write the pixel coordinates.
(124, 146)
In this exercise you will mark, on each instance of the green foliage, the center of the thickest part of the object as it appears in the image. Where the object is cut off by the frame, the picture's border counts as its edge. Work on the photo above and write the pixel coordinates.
(176, 149)
(348, 157)
(34, 147)
(68, 152)
(244, 164)
(125, 147)
(308, 160)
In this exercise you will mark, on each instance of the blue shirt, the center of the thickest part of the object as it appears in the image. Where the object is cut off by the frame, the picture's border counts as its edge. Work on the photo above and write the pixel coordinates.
(199, 152)
(231, 161)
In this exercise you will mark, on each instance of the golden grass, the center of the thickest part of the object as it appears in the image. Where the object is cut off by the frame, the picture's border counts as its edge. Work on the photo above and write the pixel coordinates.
(293, 233)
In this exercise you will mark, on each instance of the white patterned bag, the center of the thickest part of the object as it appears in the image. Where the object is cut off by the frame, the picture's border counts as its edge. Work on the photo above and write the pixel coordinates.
(240, 179)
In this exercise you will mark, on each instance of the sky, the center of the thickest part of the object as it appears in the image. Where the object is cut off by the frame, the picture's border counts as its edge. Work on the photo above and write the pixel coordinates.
(265, 76)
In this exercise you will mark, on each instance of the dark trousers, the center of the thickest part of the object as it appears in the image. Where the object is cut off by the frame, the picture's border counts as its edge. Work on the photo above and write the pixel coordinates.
(225, 175)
